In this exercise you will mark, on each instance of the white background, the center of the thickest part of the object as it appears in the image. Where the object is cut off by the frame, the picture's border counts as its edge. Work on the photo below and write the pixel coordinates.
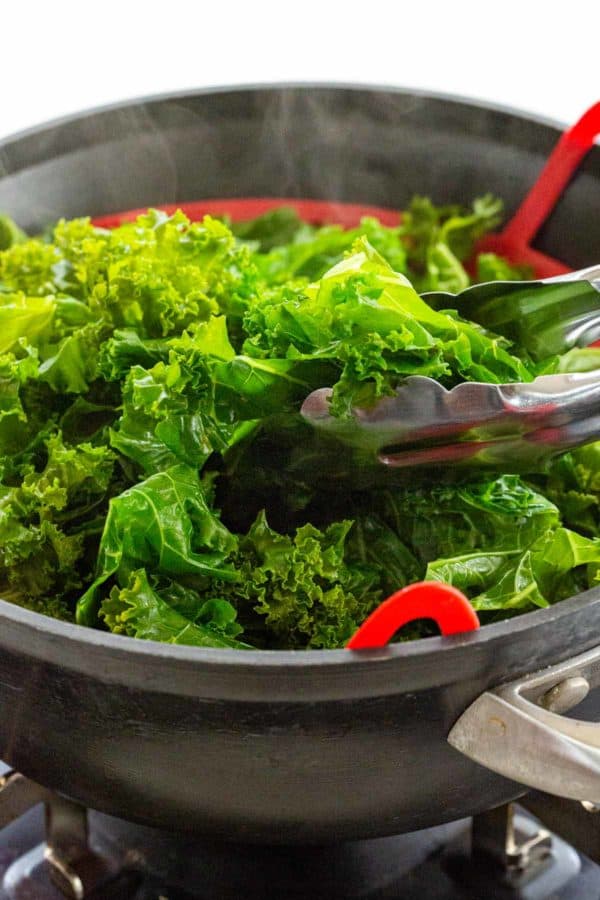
(58, 57)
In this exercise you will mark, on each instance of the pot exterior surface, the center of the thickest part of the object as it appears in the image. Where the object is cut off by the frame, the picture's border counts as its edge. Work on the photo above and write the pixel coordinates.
(276, 747)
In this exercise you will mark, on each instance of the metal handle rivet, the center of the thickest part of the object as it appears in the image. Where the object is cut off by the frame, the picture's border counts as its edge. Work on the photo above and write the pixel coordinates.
(497, 725)
(566, 694)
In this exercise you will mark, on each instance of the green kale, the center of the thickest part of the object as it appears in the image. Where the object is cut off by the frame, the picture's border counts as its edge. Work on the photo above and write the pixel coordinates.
(369, 321)
(555, 566)
(441, 238)
(45, 520)
(302, 586)
(157, 480)
(140, 611)
(273, 229)
(165, 522)
(10, 233)
(491, 267)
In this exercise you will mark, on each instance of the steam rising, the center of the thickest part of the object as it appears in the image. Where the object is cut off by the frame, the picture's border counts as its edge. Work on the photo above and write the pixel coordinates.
(325, 143)
(361, 145)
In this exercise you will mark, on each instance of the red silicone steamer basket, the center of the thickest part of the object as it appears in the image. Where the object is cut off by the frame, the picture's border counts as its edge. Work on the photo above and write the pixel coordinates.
(240, 209)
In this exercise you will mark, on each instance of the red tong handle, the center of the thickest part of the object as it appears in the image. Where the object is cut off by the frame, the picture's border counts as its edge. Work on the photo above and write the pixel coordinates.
(446, 605)
(553, 179)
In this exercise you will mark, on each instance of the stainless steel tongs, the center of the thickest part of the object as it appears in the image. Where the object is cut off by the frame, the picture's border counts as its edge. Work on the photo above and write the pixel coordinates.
(512, 426)
(546, 316)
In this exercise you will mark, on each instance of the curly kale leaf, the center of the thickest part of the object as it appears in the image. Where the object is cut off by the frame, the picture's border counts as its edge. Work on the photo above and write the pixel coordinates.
(272, 229)
(169, 409)
(372, 542)
(303, 590)
(552, 568)
(429, 244)
(369, 321)
(141, 611)
(42, 541)
(491, 267)
(573, 483)
(499, 541)
(164, 523)
(156, 275)
(23, 317)
(441, 520)
(14, 373)
(131, 360)
(441, 238)
(163, 421)
(315, 250)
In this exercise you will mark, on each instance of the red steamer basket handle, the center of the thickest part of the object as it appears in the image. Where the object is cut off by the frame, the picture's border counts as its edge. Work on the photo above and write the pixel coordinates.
(560, 167)
(446, 605)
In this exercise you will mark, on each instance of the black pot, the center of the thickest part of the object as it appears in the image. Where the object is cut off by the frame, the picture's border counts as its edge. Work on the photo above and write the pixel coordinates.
(277, 746)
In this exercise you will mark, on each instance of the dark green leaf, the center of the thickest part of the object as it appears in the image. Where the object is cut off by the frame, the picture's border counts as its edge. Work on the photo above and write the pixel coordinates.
(138, 611)
(164, 523)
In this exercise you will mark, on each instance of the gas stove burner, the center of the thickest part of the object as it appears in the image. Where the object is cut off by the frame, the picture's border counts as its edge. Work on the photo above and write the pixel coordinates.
(51, 849)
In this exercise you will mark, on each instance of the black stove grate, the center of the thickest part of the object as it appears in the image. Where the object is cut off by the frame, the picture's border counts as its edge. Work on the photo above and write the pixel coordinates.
(429, 865)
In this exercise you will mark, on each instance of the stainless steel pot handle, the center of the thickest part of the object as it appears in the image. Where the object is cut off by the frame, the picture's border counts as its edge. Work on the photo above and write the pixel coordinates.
(517, 730)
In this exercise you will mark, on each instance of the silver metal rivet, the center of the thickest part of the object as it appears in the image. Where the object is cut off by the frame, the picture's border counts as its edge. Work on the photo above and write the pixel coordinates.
(590, 807)
(497, 726)
(566, 694)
